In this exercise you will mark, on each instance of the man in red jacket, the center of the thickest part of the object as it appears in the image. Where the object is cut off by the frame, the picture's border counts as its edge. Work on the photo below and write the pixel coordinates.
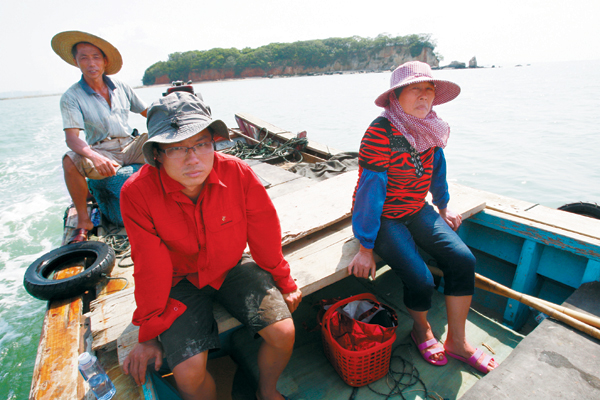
(189, 214)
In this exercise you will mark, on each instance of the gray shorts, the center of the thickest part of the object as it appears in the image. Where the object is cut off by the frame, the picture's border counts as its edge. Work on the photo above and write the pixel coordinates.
(123, 151)
(248, 293)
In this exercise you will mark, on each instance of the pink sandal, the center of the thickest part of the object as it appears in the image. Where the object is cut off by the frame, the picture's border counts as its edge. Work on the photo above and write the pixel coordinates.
(472, 361)
(429, 353)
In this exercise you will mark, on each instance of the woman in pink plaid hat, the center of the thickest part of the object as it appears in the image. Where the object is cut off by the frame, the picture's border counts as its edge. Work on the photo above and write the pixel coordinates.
(401, 159)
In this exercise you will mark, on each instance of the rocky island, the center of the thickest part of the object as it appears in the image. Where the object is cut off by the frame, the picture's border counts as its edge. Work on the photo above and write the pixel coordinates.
(333, 55)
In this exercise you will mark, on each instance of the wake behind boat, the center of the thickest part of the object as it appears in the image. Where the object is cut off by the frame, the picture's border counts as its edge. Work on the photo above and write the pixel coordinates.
(542, 252)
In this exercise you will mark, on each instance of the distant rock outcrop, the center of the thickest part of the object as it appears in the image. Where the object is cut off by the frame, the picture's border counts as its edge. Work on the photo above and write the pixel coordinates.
(456, 65)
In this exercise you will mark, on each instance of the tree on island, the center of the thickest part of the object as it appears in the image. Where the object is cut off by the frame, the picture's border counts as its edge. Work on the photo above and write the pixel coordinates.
(310, 54)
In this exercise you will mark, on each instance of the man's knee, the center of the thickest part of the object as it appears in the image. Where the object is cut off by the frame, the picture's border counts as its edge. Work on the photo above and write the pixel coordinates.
(68, 164)
(69, 167)
(281, 334)
(192, 372)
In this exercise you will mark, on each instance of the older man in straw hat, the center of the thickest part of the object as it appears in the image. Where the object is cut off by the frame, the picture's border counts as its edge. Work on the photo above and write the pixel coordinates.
(189, 214)
(99, 106)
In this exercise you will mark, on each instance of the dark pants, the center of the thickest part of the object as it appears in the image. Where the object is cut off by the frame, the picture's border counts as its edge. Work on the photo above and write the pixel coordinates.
(248, 293)
(397, 243)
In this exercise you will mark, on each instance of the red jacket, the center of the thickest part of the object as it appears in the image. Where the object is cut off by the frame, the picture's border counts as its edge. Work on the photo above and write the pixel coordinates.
(172, 238)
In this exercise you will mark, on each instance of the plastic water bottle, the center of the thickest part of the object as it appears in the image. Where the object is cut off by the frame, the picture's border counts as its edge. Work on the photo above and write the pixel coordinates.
(99, 382)
(95, 217)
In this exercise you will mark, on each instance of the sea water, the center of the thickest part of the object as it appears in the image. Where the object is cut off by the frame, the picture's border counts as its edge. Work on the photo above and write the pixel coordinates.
(530, 132)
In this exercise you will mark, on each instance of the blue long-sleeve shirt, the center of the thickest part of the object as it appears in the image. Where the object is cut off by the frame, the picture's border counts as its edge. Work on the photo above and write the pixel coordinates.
(371, 194)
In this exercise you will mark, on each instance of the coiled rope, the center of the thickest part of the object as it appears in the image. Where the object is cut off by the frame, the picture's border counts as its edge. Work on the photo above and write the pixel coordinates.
(268, 148)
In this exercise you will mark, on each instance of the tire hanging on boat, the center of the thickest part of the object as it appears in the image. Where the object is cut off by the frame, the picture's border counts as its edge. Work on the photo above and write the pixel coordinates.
(97, 258)
(591, 210)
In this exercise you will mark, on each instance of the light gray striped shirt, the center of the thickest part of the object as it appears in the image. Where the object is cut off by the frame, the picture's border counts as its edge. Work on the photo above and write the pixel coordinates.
(83, 108)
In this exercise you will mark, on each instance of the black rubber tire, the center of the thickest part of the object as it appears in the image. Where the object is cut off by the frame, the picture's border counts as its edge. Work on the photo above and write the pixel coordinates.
(100, 260)
(591, 210)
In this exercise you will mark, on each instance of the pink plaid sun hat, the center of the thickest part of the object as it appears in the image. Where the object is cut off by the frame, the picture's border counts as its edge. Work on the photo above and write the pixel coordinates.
(415, 72)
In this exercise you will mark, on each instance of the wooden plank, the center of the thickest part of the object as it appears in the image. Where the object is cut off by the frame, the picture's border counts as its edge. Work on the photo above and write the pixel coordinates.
(295, 186)
(524, 281)
(574, 223)
(464, 204)
(583, 226)
(460, 194)
(312, 146)
(148, 388)
(547, 234)
(315, 208)
(321, 259)
(260, 123)
(272, 174)
(55, 375)
(110, 316)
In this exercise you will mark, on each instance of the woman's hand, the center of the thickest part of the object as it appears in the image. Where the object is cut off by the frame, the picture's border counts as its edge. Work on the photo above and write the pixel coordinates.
(363, 264)
(452, 219)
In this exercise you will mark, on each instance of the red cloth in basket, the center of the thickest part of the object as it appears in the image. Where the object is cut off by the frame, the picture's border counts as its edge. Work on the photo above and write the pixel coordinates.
(354, 334)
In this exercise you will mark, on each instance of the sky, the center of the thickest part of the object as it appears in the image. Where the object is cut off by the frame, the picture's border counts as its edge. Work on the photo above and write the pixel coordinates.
(501, 33)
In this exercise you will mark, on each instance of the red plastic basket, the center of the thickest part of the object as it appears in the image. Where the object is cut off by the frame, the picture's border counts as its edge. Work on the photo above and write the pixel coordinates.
(356, 368)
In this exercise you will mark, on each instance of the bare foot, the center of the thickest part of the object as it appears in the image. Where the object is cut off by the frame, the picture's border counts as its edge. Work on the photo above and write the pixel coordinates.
(85, 223)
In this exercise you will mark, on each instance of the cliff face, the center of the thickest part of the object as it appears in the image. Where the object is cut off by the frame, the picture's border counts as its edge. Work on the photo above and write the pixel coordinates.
(386, 59)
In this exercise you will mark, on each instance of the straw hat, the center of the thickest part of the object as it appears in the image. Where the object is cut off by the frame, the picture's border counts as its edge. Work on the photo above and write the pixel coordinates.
(62, 44)
(415, 72)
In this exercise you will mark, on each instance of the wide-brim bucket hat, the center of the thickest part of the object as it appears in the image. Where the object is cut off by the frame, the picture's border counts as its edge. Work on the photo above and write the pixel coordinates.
(62, 44)
(415, 72)
(176, 117)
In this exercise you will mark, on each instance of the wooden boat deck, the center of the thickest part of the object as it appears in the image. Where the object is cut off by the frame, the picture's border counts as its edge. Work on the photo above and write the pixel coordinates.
(319, 244)
(309, 375)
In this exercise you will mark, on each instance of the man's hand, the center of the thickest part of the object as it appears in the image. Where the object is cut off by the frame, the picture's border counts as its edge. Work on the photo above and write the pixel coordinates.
(363, 264)
(105, 166)
(293, 299)
(137, 360)
(452, 219)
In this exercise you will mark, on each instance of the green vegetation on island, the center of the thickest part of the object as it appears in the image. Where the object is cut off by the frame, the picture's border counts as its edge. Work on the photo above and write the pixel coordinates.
(308, 54)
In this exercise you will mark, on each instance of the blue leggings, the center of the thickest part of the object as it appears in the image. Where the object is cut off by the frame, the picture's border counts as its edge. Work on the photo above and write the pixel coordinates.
(397, 243)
